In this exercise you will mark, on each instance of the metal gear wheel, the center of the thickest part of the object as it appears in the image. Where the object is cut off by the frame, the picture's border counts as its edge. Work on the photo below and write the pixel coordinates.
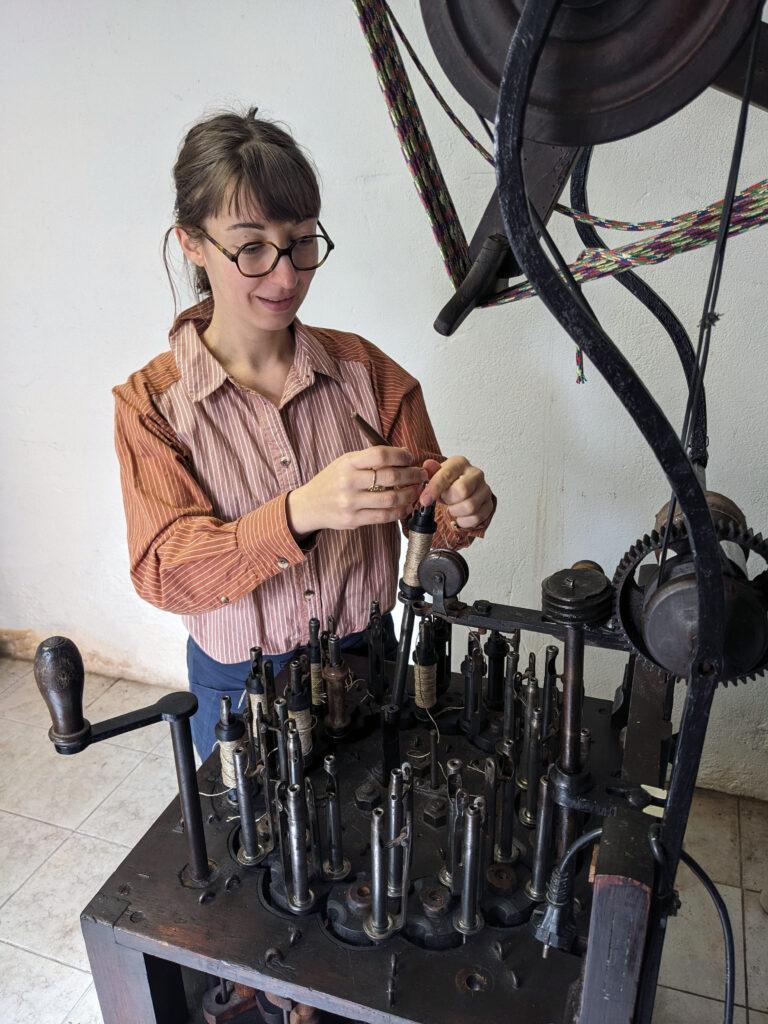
(628, 595)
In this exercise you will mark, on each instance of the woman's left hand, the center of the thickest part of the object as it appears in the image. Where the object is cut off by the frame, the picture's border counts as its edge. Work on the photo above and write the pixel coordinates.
(462, 489)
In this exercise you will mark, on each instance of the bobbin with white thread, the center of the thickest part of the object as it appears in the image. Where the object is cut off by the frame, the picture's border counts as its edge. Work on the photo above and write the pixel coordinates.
(421, 527)
(229, 732)
(254, 685)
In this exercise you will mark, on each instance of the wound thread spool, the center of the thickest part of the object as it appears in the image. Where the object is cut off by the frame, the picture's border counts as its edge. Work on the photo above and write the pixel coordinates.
(316, 679)
(298, 707)
(303, 720)
(425, 684)
(315, 664)
(419, 545)
(227, 757)
(229, 732)
(425, 668)
(258, 700)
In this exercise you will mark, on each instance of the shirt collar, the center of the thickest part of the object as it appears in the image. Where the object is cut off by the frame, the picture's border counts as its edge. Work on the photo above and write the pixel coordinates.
(201, 374)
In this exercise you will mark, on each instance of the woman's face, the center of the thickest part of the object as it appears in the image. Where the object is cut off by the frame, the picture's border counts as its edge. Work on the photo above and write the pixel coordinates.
(267, 303)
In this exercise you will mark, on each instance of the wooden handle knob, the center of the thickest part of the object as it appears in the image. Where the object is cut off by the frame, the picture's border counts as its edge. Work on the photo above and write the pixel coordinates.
(60, 677)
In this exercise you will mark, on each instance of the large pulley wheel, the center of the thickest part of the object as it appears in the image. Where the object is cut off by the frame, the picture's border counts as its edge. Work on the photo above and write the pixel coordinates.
(609, 68)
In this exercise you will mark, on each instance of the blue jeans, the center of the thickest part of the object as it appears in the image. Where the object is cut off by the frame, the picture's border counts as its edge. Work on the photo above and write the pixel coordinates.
(211, 680)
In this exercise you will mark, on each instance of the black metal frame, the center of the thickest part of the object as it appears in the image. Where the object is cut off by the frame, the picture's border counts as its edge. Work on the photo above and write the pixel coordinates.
(570, 311)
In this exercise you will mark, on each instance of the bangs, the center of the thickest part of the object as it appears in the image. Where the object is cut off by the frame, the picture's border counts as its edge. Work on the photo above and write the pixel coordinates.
(283, 187)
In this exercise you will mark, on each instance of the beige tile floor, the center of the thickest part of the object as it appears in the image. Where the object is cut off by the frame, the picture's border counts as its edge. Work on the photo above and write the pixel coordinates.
(66, 823)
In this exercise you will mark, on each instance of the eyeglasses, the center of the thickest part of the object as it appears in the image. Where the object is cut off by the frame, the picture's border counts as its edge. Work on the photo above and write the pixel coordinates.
(257, 259)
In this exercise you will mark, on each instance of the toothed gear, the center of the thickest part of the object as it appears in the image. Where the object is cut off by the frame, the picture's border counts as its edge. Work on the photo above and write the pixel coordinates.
(623, 580)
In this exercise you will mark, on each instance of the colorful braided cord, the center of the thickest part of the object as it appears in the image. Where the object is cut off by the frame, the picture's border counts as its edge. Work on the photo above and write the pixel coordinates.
(414, 140)
(682, 233)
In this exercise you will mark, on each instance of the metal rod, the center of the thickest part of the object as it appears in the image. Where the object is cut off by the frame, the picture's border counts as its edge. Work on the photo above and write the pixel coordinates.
(533, 771)
(336, 867)
(548, 700)
(573, 698)
(300, 896)
(570, 730)
(189, 798)
(390, 740)
(508, 722)
(506, 851)
(266, 781)
(293, 754)
(281, 722)
(455, 840)
(434, 763)
(249, 841)
(491, 791)
(379, 921)
(468, 918)
(403, 654)
(537, 886)
(258, 753)
(394, 828)
(376, 673)
(531, 705)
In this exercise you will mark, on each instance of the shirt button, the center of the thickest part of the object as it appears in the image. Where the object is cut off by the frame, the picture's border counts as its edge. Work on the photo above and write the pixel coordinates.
(285, 460)
(283, 563)
(309, 593)
(224, 600)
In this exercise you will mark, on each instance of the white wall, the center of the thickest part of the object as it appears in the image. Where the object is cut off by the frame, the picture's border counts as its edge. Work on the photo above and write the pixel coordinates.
(96, 97)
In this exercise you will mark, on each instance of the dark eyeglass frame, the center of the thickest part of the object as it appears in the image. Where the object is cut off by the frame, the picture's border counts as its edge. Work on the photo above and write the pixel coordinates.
(287, 251)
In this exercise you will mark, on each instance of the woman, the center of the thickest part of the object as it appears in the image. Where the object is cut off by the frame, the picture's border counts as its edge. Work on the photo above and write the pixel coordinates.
(252, 501)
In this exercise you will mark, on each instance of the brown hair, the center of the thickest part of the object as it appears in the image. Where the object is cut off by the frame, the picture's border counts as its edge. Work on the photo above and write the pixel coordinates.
(230, 159)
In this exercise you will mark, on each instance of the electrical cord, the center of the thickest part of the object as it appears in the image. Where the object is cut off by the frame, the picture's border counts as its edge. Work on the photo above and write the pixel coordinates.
(725, 922)
(660, 857)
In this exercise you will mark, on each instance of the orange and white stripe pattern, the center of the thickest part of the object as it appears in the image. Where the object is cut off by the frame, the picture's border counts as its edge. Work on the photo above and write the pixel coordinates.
(206, 466)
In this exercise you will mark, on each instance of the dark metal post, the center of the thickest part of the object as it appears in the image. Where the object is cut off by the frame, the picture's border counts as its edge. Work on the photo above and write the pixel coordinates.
(468, 918)
(336, 867)
(533, 770)
(548, 700)
(491, 790)
(378, 924)
(300, 896)
(537, 886)
(281, 724)
(189, 797)
(294, 755)
(395, 819)
(390, 741)
(249, 842)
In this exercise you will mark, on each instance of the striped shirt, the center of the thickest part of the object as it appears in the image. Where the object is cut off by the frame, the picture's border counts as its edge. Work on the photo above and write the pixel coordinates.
(206, 465)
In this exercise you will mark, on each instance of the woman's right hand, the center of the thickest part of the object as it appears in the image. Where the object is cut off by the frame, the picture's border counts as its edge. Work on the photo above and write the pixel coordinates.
(339, 497)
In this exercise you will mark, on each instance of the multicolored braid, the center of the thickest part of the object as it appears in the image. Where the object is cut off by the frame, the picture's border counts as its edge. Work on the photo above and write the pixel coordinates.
(685, 232)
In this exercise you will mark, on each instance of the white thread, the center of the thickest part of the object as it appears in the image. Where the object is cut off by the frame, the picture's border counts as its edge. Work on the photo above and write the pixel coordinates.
(316, 675)
(425, 682)
(419, 545)
(227, 758)
(255, 699)
(303, 720)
